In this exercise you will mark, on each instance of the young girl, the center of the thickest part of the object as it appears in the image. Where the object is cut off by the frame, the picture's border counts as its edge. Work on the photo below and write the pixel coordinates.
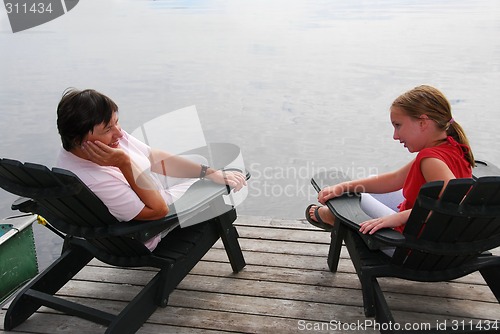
(423, 123)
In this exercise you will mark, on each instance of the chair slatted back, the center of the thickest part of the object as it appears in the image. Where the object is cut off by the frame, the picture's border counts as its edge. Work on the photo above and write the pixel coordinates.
(455, 227)
(67, 204)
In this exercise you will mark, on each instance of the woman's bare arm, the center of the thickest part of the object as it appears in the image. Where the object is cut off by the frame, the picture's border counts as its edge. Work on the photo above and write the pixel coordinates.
(141, 183)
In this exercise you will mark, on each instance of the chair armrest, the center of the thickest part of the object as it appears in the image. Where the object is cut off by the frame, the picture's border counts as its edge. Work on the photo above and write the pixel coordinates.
(144, 230)
(348, 211)
(198, 197)
(485, 168)
(24, 204)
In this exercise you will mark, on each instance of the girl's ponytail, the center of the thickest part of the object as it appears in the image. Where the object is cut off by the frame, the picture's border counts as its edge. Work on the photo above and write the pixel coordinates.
(457, 132)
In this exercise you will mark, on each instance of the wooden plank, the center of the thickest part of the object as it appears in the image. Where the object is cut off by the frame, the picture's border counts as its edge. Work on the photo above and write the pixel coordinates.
(228, 285)
(292, 262)
(350, 280)
(305, 262)
(212, 298)
(244, 220)
(49, 323)
(313, 278)
(209, 316)
(283, 247)
(312, 263)
(201, 307)
(286, 284)
(284, 234)
(235, 285)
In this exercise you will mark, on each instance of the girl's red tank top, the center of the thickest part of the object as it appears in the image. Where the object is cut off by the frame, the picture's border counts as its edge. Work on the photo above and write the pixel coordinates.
(451, 153)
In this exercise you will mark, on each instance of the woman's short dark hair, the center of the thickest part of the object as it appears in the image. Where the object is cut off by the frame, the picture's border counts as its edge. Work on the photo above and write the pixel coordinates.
(79, 111)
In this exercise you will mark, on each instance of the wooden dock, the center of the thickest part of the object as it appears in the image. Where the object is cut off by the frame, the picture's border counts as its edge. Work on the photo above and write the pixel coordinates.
(285, 288)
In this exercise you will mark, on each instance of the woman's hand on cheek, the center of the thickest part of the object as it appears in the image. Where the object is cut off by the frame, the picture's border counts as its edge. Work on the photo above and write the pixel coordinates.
(104, 155)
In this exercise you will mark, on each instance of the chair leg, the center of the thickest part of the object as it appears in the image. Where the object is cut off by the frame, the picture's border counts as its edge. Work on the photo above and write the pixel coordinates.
(229, 236)
(337, 236)
(48, 282)
(165, 288)
(156, 293)
(355, 247)
(383, 313)
(144, 304)
(492, 277)
(369, 298)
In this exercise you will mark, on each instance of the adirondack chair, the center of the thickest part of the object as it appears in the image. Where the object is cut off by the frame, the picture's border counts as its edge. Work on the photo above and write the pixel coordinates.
(91, 231)
(445, 238)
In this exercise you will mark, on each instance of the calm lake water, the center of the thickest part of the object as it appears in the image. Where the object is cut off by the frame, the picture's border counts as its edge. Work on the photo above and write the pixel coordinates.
(298, 85)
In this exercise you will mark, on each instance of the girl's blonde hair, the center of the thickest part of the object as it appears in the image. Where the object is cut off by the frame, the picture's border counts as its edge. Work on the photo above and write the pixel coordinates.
(427, 100)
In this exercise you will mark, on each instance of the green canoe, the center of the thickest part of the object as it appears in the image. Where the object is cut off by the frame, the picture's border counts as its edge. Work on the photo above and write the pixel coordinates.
(18, 261)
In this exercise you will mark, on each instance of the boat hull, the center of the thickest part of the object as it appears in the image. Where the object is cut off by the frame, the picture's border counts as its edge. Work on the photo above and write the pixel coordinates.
(18, 261)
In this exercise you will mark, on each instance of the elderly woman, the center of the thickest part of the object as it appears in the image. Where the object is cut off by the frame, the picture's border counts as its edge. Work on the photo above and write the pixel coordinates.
(125, 173)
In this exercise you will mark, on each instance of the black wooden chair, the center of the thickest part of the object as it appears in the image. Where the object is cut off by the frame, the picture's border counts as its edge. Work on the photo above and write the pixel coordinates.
(445, 238)
(91, 231)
